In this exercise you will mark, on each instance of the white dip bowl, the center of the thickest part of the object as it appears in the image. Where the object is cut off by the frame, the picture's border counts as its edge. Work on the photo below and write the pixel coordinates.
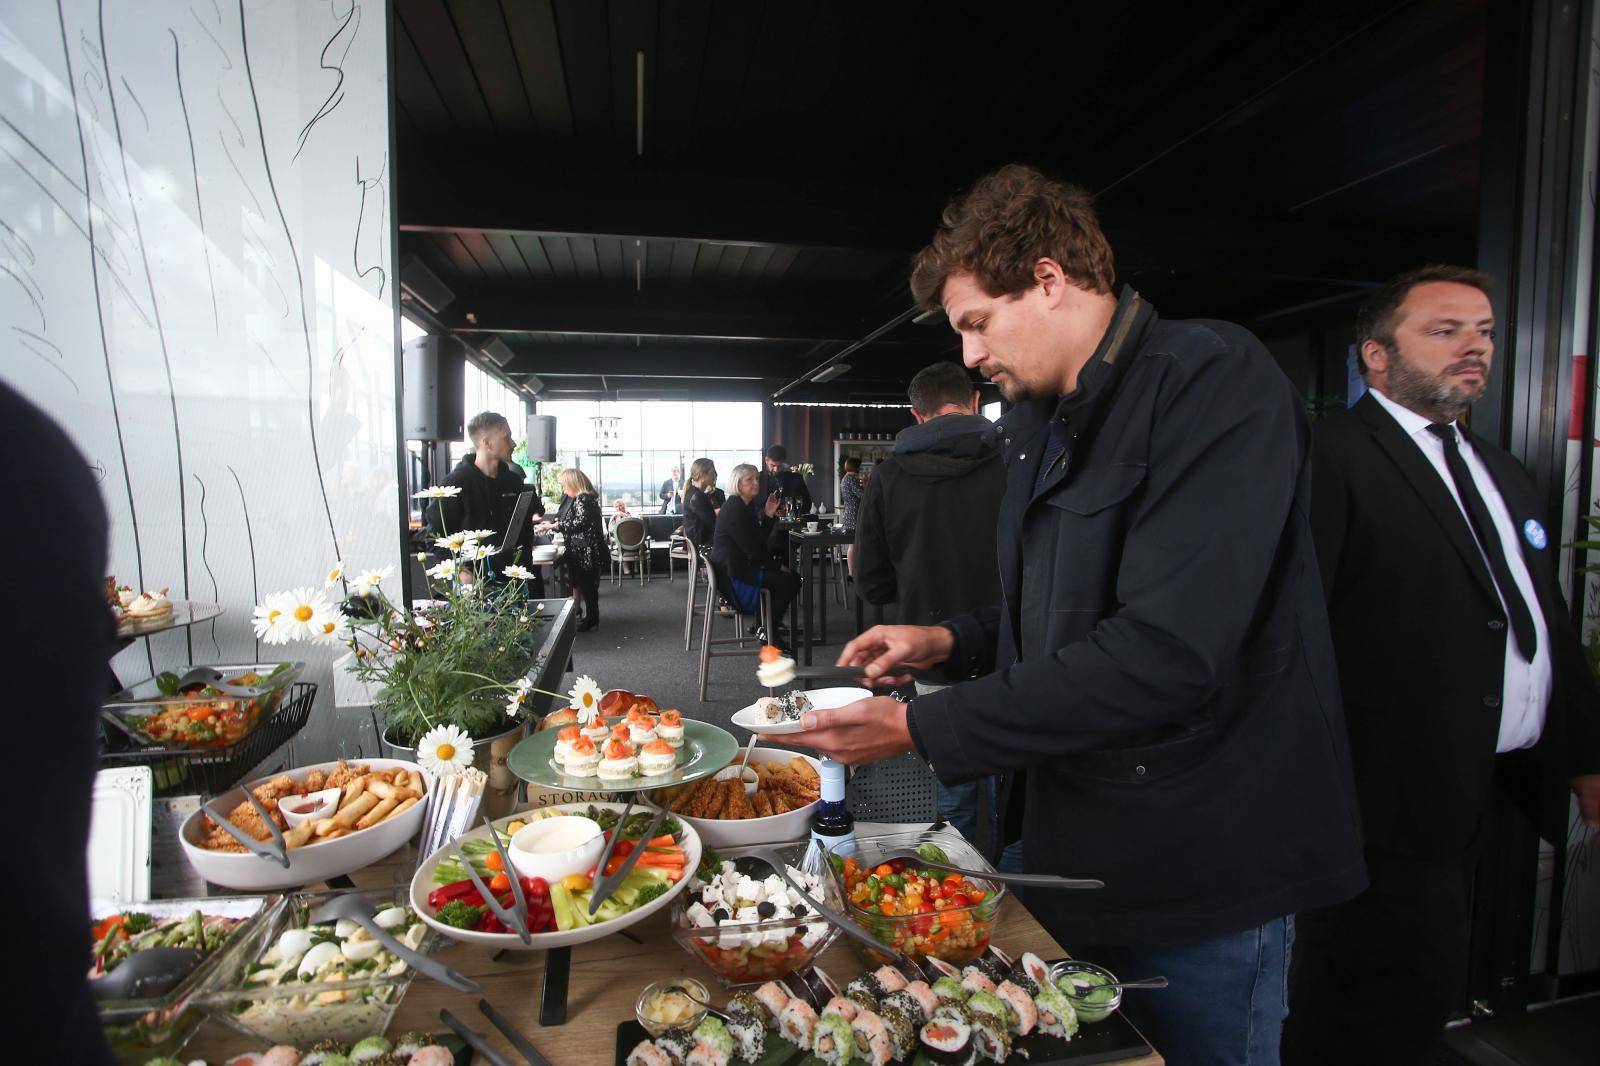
(553, 848)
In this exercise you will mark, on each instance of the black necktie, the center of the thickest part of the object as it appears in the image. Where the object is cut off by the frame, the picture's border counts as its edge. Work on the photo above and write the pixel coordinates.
(1489, 540)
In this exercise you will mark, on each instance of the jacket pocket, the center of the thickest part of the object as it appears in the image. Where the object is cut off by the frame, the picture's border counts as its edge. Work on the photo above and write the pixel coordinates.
(1095, 490)
(1089, 520)
(1147, 763)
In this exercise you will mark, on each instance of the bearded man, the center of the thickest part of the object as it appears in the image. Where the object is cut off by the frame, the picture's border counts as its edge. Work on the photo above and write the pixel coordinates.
(1460, 671)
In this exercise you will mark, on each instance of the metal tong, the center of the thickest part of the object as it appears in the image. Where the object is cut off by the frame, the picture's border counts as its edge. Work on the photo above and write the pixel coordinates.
(276, 850)
(515, 919)
(604, 886)
(512, 1034)
(473, 1039)
(1029, 880)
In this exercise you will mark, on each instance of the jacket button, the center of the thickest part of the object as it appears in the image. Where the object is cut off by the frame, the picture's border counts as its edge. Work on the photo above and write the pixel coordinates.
(1139, 770)
(1495, 623)
(1491, 701)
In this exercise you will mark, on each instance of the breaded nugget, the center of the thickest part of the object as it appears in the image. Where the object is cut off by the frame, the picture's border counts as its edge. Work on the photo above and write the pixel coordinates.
(762, 804)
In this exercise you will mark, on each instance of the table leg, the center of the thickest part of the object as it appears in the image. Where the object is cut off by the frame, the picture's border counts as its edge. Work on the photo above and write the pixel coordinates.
(824, 564)
(794, 604)
(553, 995)
(808, 561)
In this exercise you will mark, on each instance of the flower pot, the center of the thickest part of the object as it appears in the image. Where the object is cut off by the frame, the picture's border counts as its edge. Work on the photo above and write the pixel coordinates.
(489, 754)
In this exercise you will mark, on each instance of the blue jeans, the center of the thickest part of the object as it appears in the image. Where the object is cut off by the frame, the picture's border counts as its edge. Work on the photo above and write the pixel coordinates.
(958, 805)
(1228, 997)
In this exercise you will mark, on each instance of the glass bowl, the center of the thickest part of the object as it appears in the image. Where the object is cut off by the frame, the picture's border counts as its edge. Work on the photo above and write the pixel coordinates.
(304, 1012)
(154, 714)
(1083, 983)
(957, 926)
(696, 1013)
(753, 953)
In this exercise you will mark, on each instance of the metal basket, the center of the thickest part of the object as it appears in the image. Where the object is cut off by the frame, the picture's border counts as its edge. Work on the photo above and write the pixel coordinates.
(215, 770)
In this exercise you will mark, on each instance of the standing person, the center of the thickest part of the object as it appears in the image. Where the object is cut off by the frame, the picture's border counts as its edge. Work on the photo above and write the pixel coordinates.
(587, 553)
(672, 492)
(739, 548)
(1461, 673)
(777, 477)
(1157, 680)
(699, 514)
(850, 491)
(55, 654)
(490, 484)
(931, 510)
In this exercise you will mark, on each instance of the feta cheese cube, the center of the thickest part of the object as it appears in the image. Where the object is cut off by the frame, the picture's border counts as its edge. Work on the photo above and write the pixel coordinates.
(813, 933)
(775, 888)
(699, 915)
(777, 936)
(746, 915)
(728, 939)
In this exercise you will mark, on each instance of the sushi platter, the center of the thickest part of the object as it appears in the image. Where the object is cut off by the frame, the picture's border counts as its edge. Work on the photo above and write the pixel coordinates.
(993, 1010)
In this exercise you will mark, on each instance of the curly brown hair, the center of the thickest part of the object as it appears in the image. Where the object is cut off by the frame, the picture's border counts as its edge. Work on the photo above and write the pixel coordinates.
(1003, 226)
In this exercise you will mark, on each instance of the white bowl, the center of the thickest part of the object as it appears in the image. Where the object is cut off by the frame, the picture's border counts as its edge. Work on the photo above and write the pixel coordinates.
(745, 832)
(248, 872)
(556, 847)
(422, 884)
(323, 804)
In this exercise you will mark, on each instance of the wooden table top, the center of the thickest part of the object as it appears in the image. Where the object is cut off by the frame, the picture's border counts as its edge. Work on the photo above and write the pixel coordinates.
(606, 978)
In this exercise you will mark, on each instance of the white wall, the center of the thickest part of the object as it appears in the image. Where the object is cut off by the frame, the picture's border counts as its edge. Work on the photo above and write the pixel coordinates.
(195, 281)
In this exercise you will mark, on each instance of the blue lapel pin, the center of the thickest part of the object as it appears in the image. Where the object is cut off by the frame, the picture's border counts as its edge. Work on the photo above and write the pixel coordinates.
(1534, 532)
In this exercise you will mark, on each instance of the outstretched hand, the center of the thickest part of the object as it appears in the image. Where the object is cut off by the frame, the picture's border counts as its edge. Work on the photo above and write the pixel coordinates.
(883, 648)
(860, 732)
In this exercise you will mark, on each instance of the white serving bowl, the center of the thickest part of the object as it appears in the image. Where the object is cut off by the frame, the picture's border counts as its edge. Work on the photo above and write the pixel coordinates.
(248, 872)
(745, 832)
(577, 841)
(323, 804)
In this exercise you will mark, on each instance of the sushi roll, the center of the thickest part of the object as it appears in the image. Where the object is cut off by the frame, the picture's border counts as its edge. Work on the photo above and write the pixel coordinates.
(658, 757)
(412, 1042)
(1020, 978)
(713, 1044)
(869, 984)
(1035, 967)
(648, 1053)
(1056, 1016)
(432, 1055)
(1024, 1012)
(797, 1022)
(564, 741)
(834, 1041)
(774, 997)
(620, 762)
(863, 999)
(583, 760)
(768, 710)
(907, 1003)
(322, 1051)
(925, 996)
(748, 1002)
(844, 1008)
(749, 1032)
(670, 728)
(950, 988)
(974, 979)
(890, 978)
(989, 1003)
(991, 1037)
(873, 1043)
(677, 1043)
(902, 1032)
(991, 967)
(369, 1048)
(950, 1008)
(948, 1041)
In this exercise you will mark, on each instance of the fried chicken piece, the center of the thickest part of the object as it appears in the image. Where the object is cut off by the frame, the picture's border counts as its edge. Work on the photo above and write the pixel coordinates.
(762, 804)
(245, 817)
(738, 802)
(344, 773)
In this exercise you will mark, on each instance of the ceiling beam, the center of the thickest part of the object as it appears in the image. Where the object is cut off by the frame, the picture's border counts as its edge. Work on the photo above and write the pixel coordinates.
(730, 363)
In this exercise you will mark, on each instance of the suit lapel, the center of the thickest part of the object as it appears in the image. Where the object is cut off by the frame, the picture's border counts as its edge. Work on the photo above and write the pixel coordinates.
(1405, 454)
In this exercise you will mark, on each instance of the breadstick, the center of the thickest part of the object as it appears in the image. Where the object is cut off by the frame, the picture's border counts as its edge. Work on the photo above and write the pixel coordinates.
(349, 815)
(378, 813)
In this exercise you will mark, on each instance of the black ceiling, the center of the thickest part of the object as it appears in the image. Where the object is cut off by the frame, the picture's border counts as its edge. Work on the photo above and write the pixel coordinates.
(1248, 158)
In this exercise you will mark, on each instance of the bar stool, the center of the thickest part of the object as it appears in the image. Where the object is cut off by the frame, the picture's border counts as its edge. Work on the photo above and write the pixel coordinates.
(709, 645)
(697, 573)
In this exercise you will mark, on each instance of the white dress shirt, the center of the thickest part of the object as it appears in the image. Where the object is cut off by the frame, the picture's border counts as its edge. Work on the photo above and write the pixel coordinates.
(1527, 685)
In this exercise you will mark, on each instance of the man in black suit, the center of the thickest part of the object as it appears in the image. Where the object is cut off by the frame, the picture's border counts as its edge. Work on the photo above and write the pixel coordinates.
(1459, 669)
(672, 492)
(777, 476)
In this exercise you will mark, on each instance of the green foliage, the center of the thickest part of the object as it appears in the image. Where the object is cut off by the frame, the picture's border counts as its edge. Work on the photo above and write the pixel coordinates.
(549, 487)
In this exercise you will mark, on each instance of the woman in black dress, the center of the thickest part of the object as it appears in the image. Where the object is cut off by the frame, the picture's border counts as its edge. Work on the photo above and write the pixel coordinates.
(699, 513)
(587, 554)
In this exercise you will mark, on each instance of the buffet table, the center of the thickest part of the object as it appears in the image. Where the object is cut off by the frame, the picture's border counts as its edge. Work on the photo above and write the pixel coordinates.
(605, 980)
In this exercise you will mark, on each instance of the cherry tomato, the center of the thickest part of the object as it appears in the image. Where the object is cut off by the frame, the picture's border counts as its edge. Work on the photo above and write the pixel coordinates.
(494, 862)
(960, 900)
(885, 891)
(500, 883)
(883, 870)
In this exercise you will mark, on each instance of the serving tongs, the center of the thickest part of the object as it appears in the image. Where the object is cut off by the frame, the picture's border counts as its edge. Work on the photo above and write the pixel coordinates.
(206, 676)
(151, 972)
(275, 849)
(516, 918)
(513, 1035)
(354, 907)
(1027, 880)
(604, 886)
(474, 1039)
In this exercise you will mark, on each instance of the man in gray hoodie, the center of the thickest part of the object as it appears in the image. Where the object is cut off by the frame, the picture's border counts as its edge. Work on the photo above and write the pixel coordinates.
(925, 530)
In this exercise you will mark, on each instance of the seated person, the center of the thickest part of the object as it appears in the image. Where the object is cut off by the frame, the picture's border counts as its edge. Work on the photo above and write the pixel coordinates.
(739, 547)
(699, 513)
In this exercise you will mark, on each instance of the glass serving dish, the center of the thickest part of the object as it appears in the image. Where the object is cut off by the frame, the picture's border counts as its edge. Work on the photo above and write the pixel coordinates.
(752, 953)
(305, 1011)
(153, 1026)
(956, 925)
(155, 713)
(1092, 989)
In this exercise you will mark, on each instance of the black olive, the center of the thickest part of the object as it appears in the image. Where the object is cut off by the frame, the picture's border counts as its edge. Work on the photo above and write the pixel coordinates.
(720, 914)
(766, 908)
(800, 910)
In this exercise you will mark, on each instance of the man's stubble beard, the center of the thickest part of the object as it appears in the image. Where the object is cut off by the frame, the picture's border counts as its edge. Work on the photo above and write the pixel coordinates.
(1413, 388)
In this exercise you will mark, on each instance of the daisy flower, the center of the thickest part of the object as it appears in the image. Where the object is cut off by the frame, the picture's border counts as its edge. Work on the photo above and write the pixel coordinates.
(269, 615)
(477, 534)
(367, 581)
(585, 699)
(444, 750)
(335, 575)
(518, 697)
(473, 552)
(445, 571)
(330, 627)
(308, 610)
(454, 542)
(437, 492)
(521, 573)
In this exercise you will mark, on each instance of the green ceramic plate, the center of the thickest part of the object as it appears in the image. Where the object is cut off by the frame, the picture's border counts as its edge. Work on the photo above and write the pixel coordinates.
(706, 749)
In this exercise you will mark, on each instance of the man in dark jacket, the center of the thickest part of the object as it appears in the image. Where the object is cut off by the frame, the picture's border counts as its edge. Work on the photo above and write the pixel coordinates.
(490, 484)
(1157, 681)
(925, 532)
(776, 475)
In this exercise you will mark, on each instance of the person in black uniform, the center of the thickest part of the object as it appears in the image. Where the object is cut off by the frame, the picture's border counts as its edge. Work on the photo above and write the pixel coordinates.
(778, 477)
(699, 513)
(55, 656)
(1462, 675)
(490, 484)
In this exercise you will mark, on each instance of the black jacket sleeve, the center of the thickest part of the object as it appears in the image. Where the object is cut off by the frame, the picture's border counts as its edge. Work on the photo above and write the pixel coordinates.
(874, 560)
(1191, 574)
